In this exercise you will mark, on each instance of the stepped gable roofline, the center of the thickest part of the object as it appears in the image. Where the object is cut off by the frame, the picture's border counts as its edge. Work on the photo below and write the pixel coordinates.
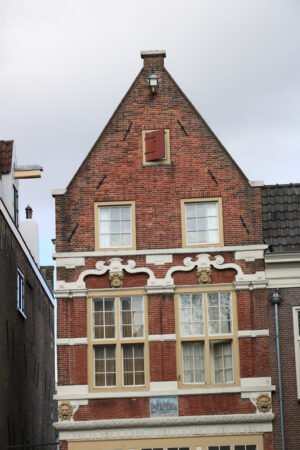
(6, 153)
(152, 54)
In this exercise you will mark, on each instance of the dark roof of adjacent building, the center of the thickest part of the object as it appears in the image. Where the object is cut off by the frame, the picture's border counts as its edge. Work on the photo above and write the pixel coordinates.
(6, 152)
(281, 217)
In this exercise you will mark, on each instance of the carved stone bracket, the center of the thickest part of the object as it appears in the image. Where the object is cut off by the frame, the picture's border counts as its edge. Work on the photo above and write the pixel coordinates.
(202, 261)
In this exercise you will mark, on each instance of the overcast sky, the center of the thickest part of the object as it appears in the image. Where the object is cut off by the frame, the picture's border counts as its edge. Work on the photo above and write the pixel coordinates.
(66, 64)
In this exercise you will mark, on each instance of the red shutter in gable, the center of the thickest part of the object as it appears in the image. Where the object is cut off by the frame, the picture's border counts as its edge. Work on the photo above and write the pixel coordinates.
(155, 145)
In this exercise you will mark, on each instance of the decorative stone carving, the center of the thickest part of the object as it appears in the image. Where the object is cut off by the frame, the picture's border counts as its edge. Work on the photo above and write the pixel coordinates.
(116, 279)
(202, 261)
(263, 403)
(204, 275)
(65, 411)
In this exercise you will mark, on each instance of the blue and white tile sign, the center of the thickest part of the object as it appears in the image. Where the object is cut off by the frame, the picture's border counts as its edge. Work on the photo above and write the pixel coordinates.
(164, 406)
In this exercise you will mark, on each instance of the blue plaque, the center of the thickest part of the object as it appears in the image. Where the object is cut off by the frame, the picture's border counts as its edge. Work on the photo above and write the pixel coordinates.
(164, 406)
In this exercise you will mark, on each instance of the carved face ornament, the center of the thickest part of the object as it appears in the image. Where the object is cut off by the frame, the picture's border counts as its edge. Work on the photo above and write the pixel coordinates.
(65, 411)
(263, 403)
(116, 279)
(204, 275)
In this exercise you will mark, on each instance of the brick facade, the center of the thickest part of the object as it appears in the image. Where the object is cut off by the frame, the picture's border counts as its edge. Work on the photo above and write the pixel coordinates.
(27, 375)
(199, 168)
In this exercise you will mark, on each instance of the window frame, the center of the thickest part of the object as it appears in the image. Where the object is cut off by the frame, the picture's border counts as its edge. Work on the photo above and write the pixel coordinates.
(21, 292)
(167, 160)
(208, 339)
(296, 321)
(218, 201)
(118, 341)
(97, 206)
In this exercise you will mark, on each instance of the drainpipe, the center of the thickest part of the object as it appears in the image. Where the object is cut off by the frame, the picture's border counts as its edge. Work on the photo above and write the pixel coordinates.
(275, 299)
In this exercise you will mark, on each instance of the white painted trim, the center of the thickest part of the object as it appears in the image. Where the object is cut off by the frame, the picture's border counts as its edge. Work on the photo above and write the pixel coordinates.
(248, 385)
(159, 260)
(70, 263)
(249, 255)
(166, 426)
(256, 183)
(26, 252)
(72, 341)
(161, 337)
(161, 251)
(253, 333)
(167, 432)
(282, 257)
(283, 283)
(56, 192)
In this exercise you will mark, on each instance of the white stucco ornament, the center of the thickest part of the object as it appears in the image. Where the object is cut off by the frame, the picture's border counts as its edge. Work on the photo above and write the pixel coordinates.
(115, 265)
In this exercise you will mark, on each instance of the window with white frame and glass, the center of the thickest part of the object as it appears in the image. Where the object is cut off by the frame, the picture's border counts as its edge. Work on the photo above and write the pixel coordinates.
(20, 292)
(207, 344)
(118, 341)
(114, 225)
(201, 222)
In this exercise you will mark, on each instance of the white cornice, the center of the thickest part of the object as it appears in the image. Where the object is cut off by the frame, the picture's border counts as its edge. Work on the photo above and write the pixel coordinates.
(161, 251)
(253, 333)
(271, 258)
(26, 251)
(164, 421)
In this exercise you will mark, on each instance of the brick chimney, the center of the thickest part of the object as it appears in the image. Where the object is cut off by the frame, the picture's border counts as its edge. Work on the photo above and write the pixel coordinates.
(153, 59)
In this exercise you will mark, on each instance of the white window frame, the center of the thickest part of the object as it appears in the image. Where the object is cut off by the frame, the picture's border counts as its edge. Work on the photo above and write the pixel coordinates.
(98, 233)
(118, 341)
(184, 225)
(296, 320)
(20, 292)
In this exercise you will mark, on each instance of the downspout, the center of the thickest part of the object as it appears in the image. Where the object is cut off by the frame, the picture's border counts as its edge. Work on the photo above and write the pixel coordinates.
(275, 299)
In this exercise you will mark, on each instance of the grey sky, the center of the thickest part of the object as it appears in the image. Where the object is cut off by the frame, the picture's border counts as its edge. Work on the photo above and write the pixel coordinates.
(66, 64)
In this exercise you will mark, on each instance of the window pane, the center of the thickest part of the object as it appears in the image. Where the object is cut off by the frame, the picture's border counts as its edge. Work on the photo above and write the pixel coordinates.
(191, 315)
(133, 364)
(223, 364)
(105, 365)
(219, 313)
(132, 316)
(202, 225)
(115, 226)
(193, 362)
(104, 318)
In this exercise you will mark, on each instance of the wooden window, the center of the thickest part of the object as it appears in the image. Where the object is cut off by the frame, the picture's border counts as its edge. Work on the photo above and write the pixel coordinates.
(156, 146)
(202, 222)
(117, 341)
(115, 225)
(207, 347)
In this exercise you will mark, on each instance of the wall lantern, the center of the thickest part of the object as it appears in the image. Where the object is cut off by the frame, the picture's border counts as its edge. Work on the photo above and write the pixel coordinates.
(275, 297)
(153, 83)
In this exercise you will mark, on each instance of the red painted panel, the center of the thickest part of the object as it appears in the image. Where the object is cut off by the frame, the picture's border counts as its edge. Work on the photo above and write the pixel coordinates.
(155, 145)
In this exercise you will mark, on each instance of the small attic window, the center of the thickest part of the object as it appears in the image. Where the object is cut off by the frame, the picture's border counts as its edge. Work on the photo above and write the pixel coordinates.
(156, 146)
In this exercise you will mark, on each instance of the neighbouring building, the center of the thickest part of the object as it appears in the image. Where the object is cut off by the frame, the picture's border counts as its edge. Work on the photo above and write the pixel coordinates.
(163, 312)
(281, 228)
(26, 319)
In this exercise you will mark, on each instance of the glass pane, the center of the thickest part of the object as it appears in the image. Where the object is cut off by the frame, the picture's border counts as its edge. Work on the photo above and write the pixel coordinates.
(126, 226)
(213, 236)
(125, 212)
(115, 227)
(125, 302)
(190, 210)
(100, 379)
(139, 378)
(99, 333)
(212, 223)
(104, 213)
(185, 300)
(115, 213)
(126, 240)
(111, 379)
(115, 240)
(128, 379)
(200, 209)
(105, 227)
(191, 224)
(138, 331)
(98, 305)
(105, 240)
(192, 237)
(137, 303)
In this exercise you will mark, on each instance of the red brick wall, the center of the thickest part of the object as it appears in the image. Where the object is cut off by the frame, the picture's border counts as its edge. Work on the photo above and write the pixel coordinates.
(72, 364)
(290, 298)
(157, 189)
